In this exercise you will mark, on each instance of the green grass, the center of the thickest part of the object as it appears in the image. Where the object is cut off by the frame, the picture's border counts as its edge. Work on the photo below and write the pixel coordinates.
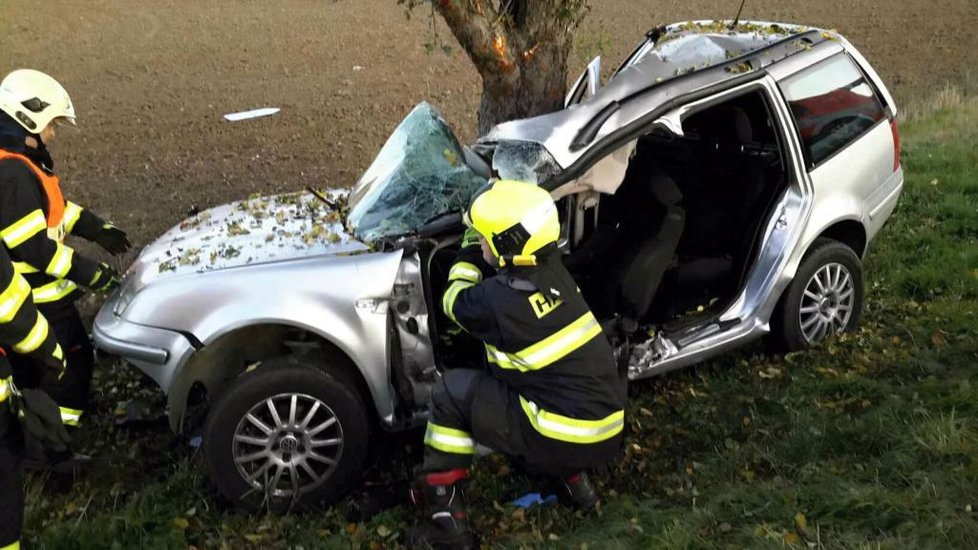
(868, 441)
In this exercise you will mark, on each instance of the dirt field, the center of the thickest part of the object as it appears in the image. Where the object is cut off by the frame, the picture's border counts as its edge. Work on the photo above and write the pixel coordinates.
(150, 84)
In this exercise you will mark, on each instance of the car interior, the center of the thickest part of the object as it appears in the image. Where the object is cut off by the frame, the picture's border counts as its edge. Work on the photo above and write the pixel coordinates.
(680, 234)
(677, 237)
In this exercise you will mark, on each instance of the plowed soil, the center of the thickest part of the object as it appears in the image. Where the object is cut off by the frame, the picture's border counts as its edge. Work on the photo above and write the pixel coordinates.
(151, 80)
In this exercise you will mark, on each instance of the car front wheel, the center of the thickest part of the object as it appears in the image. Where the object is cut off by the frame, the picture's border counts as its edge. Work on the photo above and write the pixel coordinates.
(824, 298)
(286, 434)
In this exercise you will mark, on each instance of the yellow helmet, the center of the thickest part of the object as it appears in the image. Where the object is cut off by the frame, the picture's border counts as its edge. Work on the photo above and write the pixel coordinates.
(34, 99)
(516, 218)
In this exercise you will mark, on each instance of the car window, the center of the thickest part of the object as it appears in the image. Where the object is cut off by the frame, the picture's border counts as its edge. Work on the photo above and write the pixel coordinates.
(833, 105)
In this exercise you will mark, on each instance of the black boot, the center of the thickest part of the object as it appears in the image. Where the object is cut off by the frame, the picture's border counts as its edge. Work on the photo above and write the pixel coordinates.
(576, 491)
(446, 525)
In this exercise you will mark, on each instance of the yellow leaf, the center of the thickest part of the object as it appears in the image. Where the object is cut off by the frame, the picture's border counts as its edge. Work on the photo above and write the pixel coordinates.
(938, 339)
(792, 538)
(181, 523)
(801, 522)
(934, 181)
(383, 531)
(253, 539)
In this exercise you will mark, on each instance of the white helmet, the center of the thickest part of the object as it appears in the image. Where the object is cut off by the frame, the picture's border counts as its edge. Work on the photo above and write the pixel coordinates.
(34, 99)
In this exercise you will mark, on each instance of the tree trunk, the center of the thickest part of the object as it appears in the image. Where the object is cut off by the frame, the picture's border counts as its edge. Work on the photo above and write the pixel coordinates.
(520, 48)
(539, 89)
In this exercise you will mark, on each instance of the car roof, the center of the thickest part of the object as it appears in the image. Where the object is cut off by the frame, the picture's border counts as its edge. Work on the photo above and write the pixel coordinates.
(673, 60)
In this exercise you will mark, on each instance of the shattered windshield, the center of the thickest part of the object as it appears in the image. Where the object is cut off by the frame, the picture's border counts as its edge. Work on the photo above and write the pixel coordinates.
(419, 174)
(527, 161)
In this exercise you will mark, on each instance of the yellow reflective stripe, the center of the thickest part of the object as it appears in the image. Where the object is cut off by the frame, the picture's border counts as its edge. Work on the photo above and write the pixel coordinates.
(14, 546)
(24, 267)
(53, 291)
(71, 216)
(572, 430)
(550, 349)
(35, 337)
(4, 389)
(448, 300)
(60, 262)
(13, 297)
(449, 440)
(464, 271)
(24, 228)
(70, 417)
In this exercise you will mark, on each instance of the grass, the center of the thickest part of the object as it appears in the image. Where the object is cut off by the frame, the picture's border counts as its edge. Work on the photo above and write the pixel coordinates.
(868, 441)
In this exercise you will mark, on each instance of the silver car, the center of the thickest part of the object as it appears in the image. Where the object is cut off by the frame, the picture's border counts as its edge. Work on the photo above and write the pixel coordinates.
(723, 186)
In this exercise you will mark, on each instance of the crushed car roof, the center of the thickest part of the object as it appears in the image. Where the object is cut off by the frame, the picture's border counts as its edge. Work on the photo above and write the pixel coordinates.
(673, 60)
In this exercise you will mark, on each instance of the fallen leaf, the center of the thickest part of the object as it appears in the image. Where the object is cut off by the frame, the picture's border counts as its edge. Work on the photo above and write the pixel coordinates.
(181, 523)
(801, 522)
(792, 538)
(934, 182)
(938, 339)
(383, 531)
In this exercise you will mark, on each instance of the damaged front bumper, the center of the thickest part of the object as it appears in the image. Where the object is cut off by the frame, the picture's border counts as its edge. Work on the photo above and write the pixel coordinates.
(157, 352)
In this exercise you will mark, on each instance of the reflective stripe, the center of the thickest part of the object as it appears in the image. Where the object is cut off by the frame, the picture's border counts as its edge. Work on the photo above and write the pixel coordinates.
(24, 228)
(24, 267)
(13, 297)
(549, 349)
(448, 300)
(449, 440)
(70, 417)
(53, 291)
(572, 430)
(14, 546)
(4, 389)
(72, 213)
(464, 271)
(35, 337)
(60, 262)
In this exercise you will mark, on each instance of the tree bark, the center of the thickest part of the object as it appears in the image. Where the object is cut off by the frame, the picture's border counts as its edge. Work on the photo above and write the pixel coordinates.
(520, 48)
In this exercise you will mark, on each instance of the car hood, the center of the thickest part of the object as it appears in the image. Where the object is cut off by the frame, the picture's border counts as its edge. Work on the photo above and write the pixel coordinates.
(257, 230)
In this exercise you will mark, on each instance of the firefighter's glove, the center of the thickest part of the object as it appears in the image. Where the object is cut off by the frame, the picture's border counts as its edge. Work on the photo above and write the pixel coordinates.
(41, 419)
(112, 239)
(470, 238)
(106, 279)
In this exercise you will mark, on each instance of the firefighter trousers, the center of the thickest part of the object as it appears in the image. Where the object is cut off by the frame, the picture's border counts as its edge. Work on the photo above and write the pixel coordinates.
(71, 391)
(470, 406)
(11, 483)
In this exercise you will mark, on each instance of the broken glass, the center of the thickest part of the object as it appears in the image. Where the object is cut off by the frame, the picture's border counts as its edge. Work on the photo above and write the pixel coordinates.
(419, 174)
(527, 161)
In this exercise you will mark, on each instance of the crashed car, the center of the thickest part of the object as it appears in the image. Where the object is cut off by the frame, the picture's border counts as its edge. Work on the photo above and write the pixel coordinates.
(723, 186)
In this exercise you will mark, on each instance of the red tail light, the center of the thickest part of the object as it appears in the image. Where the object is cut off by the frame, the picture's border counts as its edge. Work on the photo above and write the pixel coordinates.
(896, 144)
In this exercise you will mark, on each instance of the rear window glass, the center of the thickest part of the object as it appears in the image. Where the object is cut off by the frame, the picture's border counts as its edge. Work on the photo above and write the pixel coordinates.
(833, 105)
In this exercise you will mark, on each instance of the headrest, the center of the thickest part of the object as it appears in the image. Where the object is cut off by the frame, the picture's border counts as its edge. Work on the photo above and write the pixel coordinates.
(665, 190)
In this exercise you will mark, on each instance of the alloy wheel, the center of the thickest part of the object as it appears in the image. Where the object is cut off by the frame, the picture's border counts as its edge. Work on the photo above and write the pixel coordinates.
(826, 304)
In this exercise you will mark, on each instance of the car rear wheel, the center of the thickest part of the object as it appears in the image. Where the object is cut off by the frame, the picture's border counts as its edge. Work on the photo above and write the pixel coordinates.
(824, 298)
(286, 434)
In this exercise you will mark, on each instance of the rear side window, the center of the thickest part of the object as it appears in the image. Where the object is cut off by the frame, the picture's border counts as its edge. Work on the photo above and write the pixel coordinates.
(833, 105)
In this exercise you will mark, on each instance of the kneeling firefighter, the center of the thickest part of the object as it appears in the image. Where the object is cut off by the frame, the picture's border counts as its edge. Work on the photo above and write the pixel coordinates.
(552, 398)
(23, 330)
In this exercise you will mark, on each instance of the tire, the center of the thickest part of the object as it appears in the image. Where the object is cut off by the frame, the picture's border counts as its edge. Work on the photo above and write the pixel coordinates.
(281, 452)
(833, 303)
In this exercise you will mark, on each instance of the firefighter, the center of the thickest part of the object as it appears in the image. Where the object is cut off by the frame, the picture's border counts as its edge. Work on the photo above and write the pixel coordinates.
(34, 220)
(23, 330)
(552, 398)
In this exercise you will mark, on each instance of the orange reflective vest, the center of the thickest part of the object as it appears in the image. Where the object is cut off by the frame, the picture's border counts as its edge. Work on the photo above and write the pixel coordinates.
(52, 192)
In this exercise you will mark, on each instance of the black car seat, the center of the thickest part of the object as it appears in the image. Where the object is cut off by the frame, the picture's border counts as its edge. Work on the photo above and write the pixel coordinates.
(641, 268)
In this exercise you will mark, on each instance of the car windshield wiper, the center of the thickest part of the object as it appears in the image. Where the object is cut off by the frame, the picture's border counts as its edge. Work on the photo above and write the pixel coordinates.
(320, 196)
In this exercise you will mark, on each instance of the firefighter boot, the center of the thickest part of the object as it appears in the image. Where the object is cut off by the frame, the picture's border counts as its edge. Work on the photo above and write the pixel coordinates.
(577, 492)
(446, 525)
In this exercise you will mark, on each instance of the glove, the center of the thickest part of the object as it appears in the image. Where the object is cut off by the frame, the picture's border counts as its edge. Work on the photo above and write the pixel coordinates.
(112, 239)
(106, 279)
(470, 237)
(41, 419)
